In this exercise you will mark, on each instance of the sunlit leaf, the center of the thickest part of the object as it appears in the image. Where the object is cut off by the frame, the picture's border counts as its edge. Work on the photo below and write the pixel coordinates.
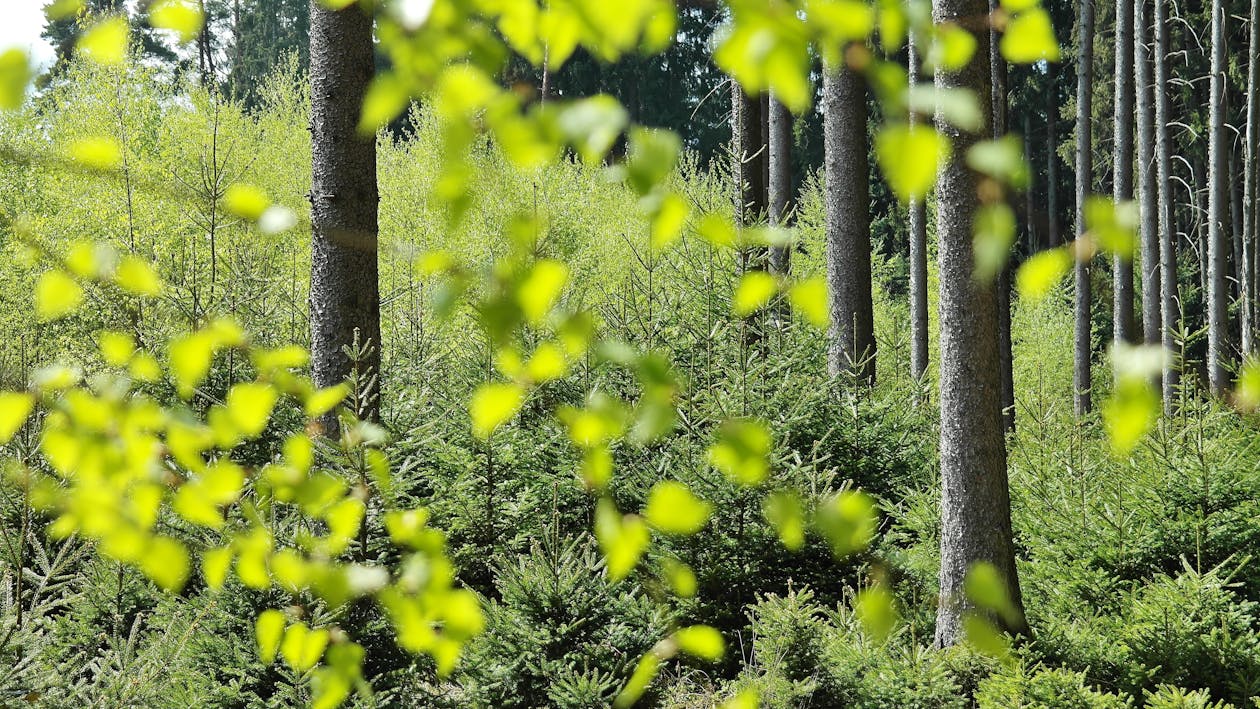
(245, 201)
(745, 699)
(785, 512)
(136, 276)
(1002, 159)
(985, 587)
(96, 153)
(644, 672)
(302, 647)
(190, 358)
(877, 611)
(106, 41)
(809, 298)
(847, 521)
(1129, 413)
(993, 236)
(56, 296)
(592, 125)
(493, 405)
(14, 410)
(951, 50)
(741, 451)
(623, 539)
(386, 98)
(182, 16)
(249, 406)
(956, 106)
(324, 400)
(1112, 225)
(1029, 37)
(673, 509)
(682, 580)
(268, 630)
(165, 562)
(668, 219)
(1041, 272)
(909, 157)
(215, 565)
(754, 292)
(15, 76)
(702, 641)
(651, 157)
(541, 289)
(1246, 393)
(981, 634)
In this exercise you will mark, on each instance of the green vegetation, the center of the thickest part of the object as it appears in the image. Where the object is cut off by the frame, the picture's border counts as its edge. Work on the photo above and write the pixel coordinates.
(608, 450)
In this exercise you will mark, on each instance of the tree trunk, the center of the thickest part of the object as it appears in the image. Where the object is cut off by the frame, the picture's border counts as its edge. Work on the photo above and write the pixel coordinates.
(848, 224)
(345, 298)
(780, 179)
(975, 499)
(1169, 310)
(918, 258)
(997, 75)
(1239, 269)
(1250, 174)
(1030, 195)
(1137, 60)
(1052, 158)
(1217, 292)
(1084, 172)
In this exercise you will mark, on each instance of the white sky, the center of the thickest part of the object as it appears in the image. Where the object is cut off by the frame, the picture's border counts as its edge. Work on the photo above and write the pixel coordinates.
(21, 22)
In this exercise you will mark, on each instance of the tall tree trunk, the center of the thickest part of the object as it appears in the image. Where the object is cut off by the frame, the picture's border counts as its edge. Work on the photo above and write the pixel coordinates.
(1052, 158)
(1084, 172)
(848, 224)
(975, 498)
(345, 297)
(918, 258)
(1122, 166)
(997, 75)
(780, 178)
(1169, 310)
(1030, 195)
(1148, 202)
(1250, 174)
(1242, 278)
(1217, 292)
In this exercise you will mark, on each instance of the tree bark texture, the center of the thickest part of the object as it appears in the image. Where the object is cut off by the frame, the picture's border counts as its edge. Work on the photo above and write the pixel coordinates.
(1218, 162)
(1081, 374)
(1133, 58)
(918, 258)
(780, 122)
(851, 347)
(1169, 309)
(1250, 173)
(344, 295)
(998, 75)
(975, 499)
(1052, 158)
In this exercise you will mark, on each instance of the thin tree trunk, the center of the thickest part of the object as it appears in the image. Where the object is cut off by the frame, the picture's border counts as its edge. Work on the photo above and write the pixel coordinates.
(1250, 174)
(1148, 202)
(918, 259)
(1169, 310)
(1217, 292)
(1084, 172)
(1243, 279)
(848, 224)
(344, 297)
(1030, 195)
(1052, 159)
(997, 75)
(780, 179)
(1122, 170)
(975, 498)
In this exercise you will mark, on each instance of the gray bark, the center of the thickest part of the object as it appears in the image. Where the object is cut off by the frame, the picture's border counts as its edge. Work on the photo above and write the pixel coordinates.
(918, 259)
(780, 179)
(1081, 378)
(1217, 291)
(344, 295)
(1052, 159)
(1249, 179)
(1169, 310)
(1133, 58)
(851, 347)
(1238, 267)
(997, 74)
(750, 156)
(975, 499)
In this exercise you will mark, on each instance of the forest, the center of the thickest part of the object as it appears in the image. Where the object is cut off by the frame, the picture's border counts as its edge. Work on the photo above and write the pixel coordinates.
(658, 353)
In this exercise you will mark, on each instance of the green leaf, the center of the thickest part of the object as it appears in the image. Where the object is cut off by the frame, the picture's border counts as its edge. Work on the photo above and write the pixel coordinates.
(1129, 413)
(182, 16)
(249, 407)
(1002, 159)
(165, 562)
(106, 41)
(909, 157)
(190, 358)
(1029, 37)
(985, 637)
(137, 277)
(215, 564)
(741, 451)
(1113, 225)
(269, 629)
(386, 98)
(651, 157)
(848, 522)
(644, 672)
(672, 509)
(15, 76)
(541, 289)
(952, 49)
(622, 539)
(246, 201)
(702, 641)
(99, 153)
(14, 410)
(493, 405)
(994, 234)
(324, 400)
(592, 125)
(985, 587)
(877, 611)
(56, 296)
(302, 647)
(754, 292)
(956, 106)
(784, 511)
(809, 298)
(669, 215)
(1041, 272)
(1246, 393)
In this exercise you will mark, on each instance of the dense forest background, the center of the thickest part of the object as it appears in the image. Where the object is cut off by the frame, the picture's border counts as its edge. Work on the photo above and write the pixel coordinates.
(1078, 420)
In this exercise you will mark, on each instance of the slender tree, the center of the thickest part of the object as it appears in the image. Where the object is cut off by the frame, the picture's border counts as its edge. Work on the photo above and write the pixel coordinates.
(848, 224)
(345, 296)
(975, 498)
(780, 187)
(1084, 170)
(1131, 26)
(1217, 292)
(998, 76)
(1169, 310)
(918, 257)
(1250, 173)
(1052, 157)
